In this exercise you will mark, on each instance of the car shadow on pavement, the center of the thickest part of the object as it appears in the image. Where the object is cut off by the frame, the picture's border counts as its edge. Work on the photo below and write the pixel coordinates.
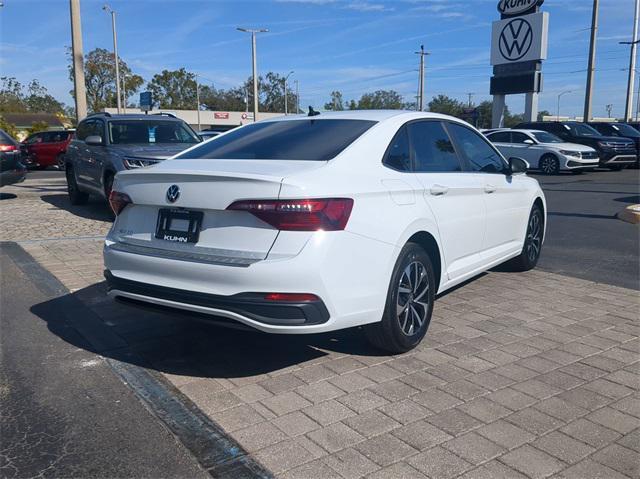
(7, 196)
(94, 210)
(182, 343)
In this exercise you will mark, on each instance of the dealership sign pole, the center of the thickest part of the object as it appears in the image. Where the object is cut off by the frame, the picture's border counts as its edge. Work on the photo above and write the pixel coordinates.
(518, 46)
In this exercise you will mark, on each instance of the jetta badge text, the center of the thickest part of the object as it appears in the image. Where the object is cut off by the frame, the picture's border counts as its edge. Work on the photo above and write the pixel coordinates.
(515, 7)
(515, 39)
(173, 193)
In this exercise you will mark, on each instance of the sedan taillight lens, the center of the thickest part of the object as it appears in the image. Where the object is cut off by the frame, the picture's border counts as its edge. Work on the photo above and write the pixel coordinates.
(118, 201)
(326, 214)
(8, 148)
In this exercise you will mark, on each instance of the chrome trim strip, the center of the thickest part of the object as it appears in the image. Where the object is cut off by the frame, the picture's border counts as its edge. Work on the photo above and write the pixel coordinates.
(192, 256)
(622, 159)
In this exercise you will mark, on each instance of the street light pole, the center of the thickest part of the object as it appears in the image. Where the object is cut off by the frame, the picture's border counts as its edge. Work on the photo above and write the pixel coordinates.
(198, 100)
(108, 9)
(79, 87)
(255, 66)
(298, 98)
(286, 109)
(558, 111)
(628, 110)
(422, 54)
(592, 61)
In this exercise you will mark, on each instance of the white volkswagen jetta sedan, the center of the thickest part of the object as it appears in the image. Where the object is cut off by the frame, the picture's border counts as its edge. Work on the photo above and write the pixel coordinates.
(311, 224)
(544, 151)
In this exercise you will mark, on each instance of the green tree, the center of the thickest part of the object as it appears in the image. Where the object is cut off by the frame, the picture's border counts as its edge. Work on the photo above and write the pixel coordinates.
(34, 98)
(446, 105)
(336, 103)
(100, 79)
(542, 114)
(484, 114)
(37, 126)
(232, 99)
(353, 105)
(380, 100)
(10, 128)
(174, 89)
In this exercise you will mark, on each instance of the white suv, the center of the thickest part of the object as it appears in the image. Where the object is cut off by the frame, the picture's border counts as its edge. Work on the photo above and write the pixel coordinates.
(311, 224)
(544, 151)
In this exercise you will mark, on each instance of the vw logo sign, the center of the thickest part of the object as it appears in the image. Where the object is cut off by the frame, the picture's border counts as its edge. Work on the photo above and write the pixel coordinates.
(515, 39)
(173, 193)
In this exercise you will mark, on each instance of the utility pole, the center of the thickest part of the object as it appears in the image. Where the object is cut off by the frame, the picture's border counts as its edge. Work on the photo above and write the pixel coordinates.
(198, 100)
(592, 61)
(559, 95)
(470, 98)
(255, 66)
(298, 98)
(79, 88)
(609, 107)
(628, 110)
(124, 93)
(286, 109)
(422, 54)
(108, 9)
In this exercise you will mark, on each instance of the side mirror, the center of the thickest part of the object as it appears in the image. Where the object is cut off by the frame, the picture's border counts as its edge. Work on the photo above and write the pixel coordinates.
(518, 166)
(93, 140)
(529, 141)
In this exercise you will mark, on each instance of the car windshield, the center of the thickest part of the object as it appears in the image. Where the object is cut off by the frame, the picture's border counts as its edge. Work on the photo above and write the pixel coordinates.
(122, 132)
(580, 129)
(5, 138)
(626, 130)
(308, 140)
(545, 137)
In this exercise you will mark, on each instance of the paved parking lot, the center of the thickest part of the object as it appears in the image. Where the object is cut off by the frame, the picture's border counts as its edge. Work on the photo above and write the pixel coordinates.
(521, 375)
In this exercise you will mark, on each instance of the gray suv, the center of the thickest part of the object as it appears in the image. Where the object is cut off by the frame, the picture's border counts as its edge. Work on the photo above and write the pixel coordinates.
(106, 144)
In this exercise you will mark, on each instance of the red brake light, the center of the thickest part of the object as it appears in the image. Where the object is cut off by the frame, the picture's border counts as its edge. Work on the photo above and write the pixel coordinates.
(292, 297)
(326, 214)
(8, 147)
(118, 201)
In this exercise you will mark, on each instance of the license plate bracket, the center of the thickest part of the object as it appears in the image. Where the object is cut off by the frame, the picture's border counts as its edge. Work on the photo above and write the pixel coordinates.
(179, 226)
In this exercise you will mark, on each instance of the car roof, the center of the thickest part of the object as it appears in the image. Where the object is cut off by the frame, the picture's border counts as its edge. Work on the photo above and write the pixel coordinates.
(133, 116)
(371, 115)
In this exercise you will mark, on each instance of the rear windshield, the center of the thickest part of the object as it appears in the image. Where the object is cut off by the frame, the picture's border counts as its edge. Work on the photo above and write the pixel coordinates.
(150, 132)
(6, 138)
(309, 140)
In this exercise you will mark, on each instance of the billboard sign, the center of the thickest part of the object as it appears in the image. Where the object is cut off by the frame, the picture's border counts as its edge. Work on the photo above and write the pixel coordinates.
(517, 7)
(520, 39)
(145, 101)
(219, 115)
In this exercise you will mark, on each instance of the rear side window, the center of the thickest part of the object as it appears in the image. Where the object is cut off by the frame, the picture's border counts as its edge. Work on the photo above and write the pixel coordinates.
(84, 129)
(307, 140)
(480, 155)
(398, 156)
(432, 148)
(519, 137)
(500, 137)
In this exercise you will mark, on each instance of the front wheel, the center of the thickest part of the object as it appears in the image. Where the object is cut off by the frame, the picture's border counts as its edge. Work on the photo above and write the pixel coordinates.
(528, 258)
(76, 196)
(550, 165)
(409, 304)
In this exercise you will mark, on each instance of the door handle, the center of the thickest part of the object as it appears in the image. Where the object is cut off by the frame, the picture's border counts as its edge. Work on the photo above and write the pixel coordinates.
(439, 190)
(489, 189)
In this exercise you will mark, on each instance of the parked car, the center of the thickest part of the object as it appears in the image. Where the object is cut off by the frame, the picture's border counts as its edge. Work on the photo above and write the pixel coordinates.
(615, 153)
(46, 148)
(11, 168)
(207, 134)
(105, 144)
(634, 124)
(621, 130)
(305, 225)
(544, 151)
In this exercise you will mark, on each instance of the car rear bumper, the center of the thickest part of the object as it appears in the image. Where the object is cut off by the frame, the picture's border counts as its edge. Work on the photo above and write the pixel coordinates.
(348, 273)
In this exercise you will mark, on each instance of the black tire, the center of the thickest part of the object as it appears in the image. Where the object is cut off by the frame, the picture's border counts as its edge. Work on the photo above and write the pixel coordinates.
(402, 329)
(76, 197)
(528, 258)
(549, 164)
(60, 161)
(108, 185)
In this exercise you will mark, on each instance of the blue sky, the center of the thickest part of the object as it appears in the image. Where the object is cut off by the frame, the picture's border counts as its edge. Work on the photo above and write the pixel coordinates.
(354, 46)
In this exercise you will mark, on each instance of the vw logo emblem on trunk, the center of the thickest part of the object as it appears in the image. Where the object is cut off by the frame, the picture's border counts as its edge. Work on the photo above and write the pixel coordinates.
(516, 39)
(173, 193)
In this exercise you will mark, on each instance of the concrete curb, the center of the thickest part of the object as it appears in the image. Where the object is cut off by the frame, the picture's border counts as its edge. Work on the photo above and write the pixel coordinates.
(631, 214)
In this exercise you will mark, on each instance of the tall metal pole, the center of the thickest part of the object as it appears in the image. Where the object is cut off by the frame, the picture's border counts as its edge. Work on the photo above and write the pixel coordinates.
(592, 60)
(124, 93)
(286, 109)
(638, 101)
(298, 97)
(80, 93)
(559, 95)
(628, 110)
(255, 67)
(198, 100)
(422, 54)
(108, 9)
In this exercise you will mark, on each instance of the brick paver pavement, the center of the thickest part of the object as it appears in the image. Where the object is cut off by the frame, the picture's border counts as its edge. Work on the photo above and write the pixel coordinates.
(521, 375)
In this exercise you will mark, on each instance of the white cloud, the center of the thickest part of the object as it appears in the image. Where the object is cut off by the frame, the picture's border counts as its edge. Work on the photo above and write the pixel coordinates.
(363, 6)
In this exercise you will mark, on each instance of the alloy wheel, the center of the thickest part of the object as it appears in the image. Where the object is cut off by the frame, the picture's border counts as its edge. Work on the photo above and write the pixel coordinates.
(534, 237)
(413, 303)
(548, 165)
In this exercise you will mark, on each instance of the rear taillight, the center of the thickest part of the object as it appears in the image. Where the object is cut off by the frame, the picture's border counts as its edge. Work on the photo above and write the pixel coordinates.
(8, 147)
(327, 214)
(118, 201)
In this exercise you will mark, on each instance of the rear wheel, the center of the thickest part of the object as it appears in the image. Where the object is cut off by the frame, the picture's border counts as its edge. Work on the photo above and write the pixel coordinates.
(76, 196)
(60, 161)
(409, 304)
(528, 258)
(549, 164)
